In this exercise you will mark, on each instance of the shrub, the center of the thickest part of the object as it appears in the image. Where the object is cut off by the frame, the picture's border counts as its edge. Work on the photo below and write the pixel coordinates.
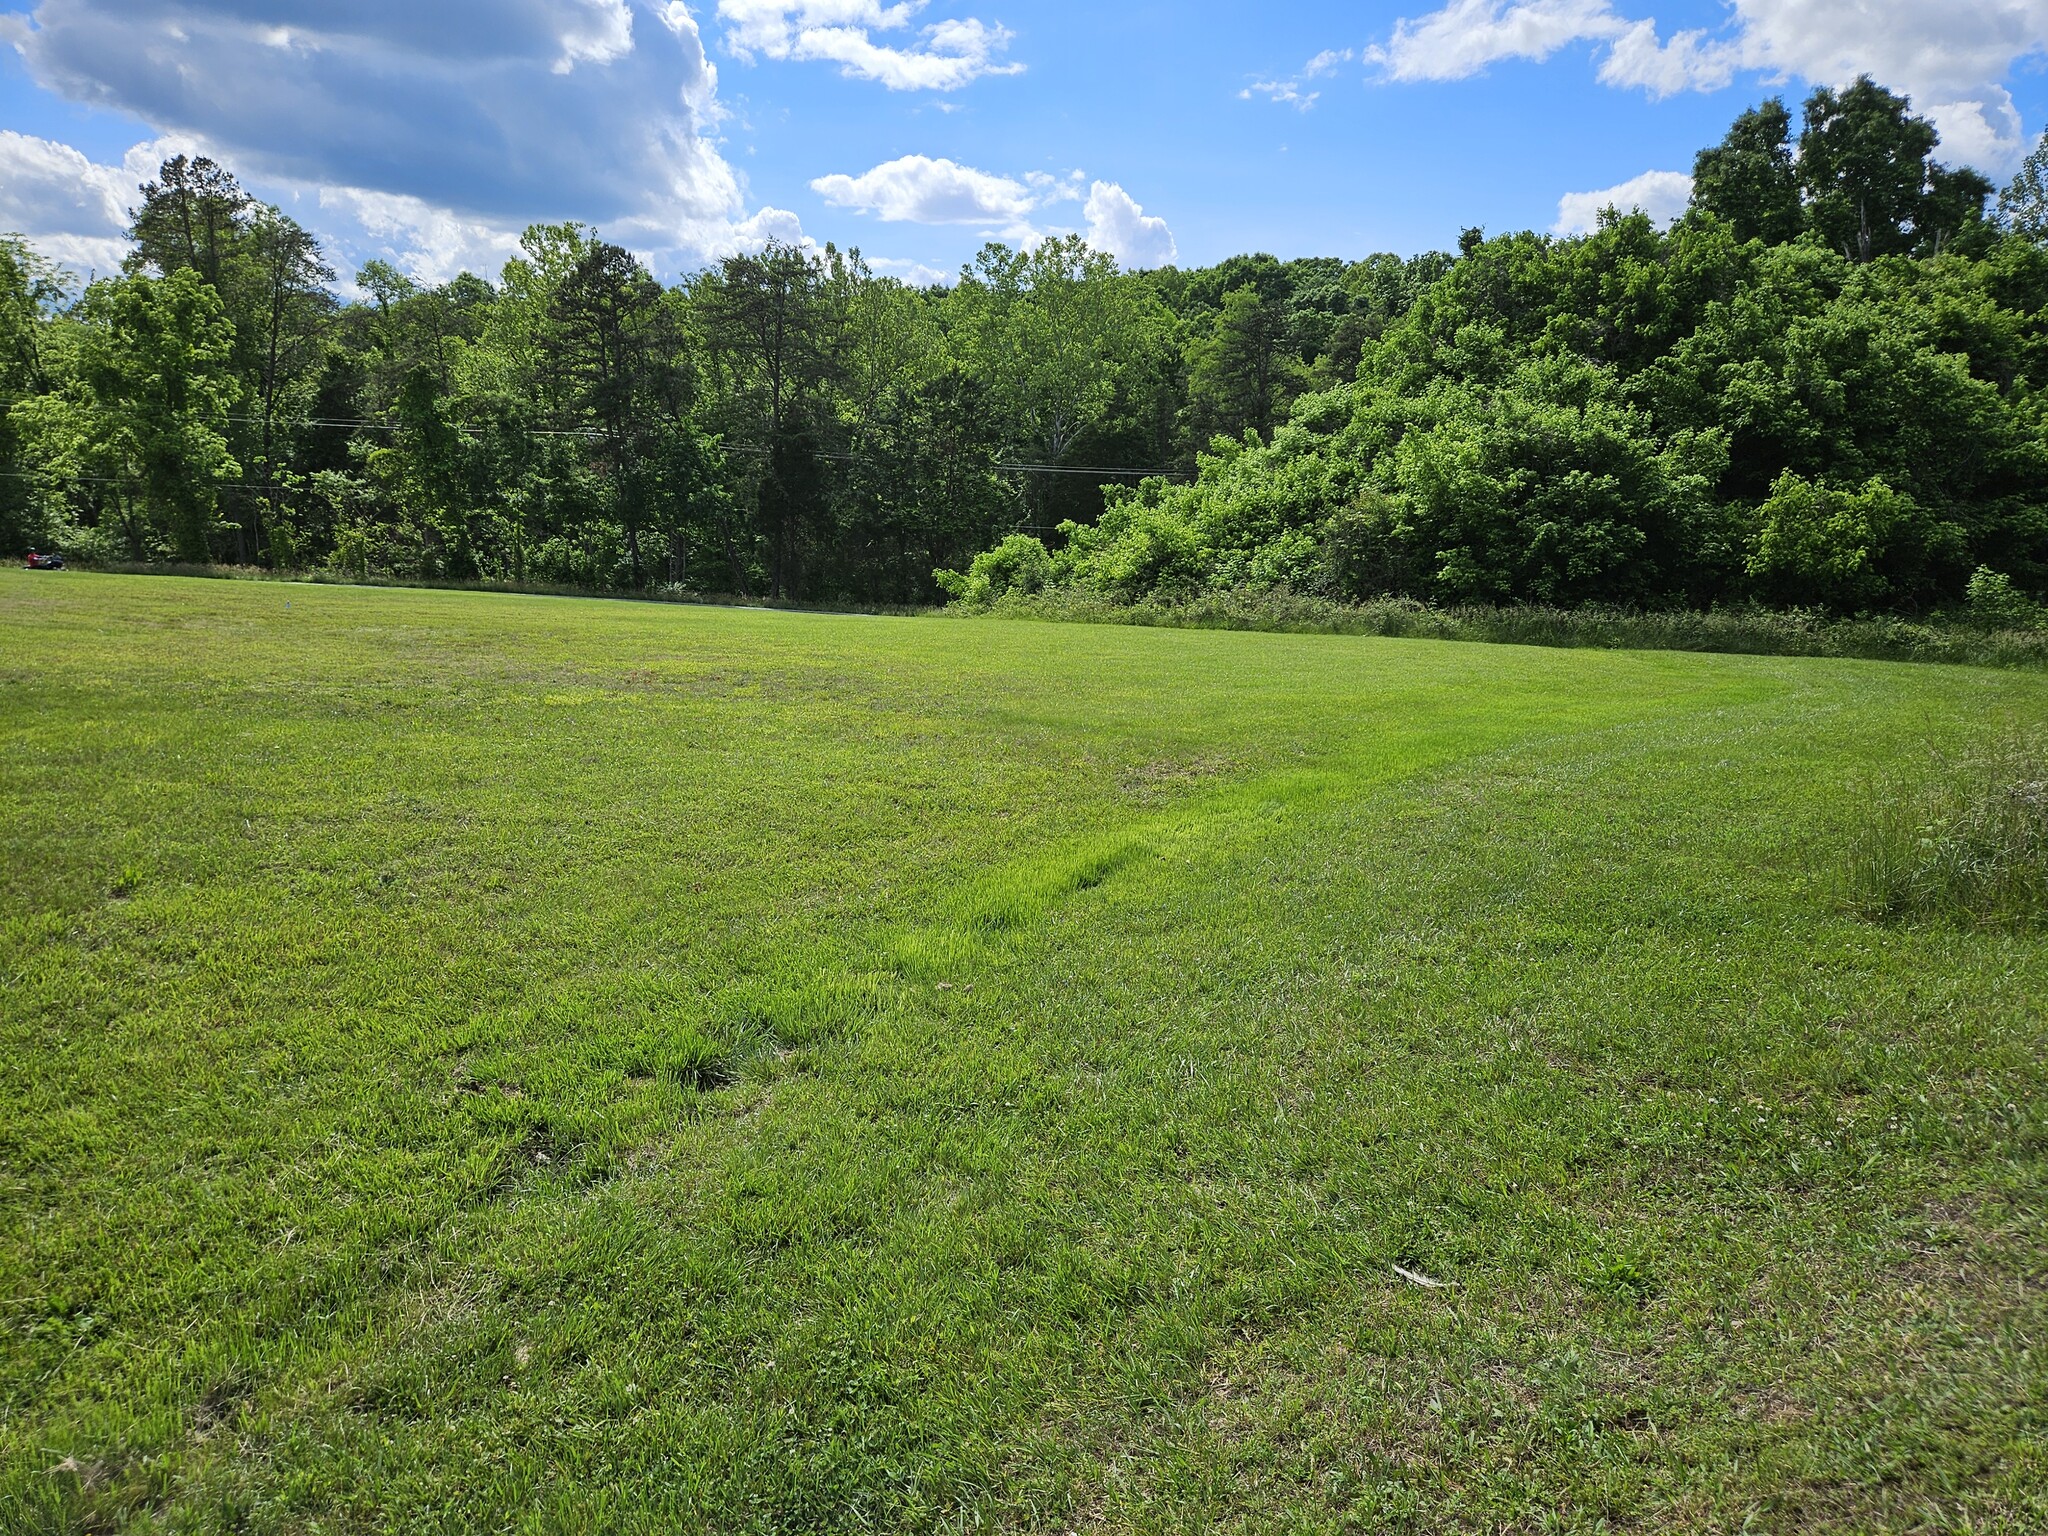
(1847, 550)
(1135, 551)
(1995, 603)
(1019, 564)
(354, 549)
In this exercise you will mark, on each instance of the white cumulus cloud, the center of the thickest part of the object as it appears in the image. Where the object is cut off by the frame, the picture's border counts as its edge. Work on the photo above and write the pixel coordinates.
(1467, 35)
(943, 57)
(1951, 56)
(72, 209)
(917, 189)
(431, 243)
(597, 35)
(914, 274)
(1690, 61)
(430, 133)
(1117, 224)
(755, 231)
(1661, 194)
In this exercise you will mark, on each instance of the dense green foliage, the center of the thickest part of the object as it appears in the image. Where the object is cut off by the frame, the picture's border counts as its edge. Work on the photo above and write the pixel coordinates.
(1824, 387)
(784, 422)
(470, 1063)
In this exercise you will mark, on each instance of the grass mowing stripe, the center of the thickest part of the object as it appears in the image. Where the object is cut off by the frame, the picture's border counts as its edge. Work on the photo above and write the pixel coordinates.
(483, 1064)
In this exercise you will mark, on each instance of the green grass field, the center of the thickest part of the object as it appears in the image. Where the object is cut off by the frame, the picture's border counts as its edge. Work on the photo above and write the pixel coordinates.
(481, 1063)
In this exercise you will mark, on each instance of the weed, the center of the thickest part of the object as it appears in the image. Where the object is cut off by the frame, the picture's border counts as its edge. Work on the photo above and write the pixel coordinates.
(1971, 845)
(2009, 637)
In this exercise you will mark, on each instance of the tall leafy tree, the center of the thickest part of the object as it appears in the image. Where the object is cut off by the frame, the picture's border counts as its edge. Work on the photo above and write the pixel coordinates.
(1050, 329)
(603, 313)
(1871, 187)
(431, 468)
(926, 490)
(2023, 205)
(146, 410)
(1749, 178)
(274, 286)
(33, 290)
(284, 311)
(775, 337)
(893, 340)
(621, 350)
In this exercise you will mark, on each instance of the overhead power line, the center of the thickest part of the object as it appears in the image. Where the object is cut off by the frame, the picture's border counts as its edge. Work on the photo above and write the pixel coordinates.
(220, 485)
(592, 434)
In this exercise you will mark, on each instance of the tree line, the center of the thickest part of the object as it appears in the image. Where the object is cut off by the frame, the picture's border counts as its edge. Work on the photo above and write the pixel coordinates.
(1823, 386)
(784, 422)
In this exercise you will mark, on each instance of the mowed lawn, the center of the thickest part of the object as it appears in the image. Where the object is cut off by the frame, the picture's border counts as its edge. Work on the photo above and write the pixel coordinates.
(483, 1063)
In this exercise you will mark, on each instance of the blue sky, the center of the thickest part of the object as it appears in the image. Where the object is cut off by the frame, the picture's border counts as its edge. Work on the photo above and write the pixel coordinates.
(431, 131)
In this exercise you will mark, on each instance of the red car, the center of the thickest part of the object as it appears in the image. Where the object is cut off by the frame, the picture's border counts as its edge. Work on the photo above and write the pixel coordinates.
(38, 562)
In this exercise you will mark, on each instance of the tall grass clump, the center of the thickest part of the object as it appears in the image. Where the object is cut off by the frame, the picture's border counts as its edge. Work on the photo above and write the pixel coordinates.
(1971, 846)
(1972, 639)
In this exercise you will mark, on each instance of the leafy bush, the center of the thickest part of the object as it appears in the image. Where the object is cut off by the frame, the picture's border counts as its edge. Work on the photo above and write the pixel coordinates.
(1018, 564)
(1850, 550)
(1138, 549)
(1971, 847)
(1995, 603)
(1535, 481)
(353, 543)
